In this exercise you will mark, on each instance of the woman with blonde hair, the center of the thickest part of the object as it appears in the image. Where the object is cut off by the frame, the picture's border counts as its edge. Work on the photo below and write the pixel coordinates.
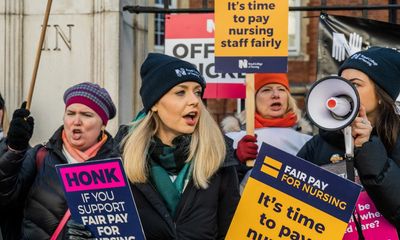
(184, 185)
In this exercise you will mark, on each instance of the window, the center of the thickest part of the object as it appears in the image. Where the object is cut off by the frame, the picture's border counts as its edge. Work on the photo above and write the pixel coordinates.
(294, 29)
(159, 25)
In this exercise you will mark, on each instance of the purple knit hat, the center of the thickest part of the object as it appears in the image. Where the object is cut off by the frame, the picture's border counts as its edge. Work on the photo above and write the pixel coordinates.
(93, 96)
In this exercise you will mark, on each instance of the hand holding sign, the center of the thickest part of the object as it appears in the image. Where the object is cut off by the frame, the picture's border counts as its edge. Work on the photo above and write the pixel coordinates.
(76, 230)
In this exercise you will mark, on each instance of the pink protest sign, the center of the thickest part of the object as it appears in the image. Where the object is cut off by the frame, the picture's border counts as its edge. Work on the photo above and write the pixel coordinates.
(374, 225)
(85, 177)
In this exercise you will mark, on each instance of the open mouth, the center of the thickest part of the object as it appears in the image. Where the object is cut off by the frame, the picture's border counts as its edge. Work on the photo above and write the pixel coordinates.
(76, 131)
(276, 106)
(191, 118)
(76, 134)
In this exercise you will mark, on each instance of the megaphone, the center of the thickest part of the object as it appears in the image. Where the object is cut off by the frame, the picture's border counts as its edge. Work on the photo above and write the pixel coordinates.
(332, 103)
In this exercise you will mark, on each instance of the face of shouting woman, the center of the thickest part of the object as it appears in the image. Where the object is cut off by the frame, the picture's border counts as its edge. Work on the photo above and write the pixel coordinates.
(179, 111)
(82, 126)
(272, 101)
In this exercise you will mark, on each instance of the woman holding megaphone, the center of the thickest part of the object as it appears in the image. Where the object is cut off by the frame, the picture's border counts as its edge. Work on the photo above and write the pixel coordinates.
(375, 73)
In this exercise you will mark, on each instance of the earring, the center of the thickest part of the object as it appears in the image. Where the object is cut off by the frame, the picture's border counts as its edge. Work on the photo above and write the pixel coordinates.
(379, 102)
(103, 128)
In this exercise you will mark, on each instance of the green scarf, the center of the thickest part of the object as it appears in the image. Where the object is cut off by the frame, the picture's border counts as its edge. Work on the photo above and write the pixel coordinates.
(163, 163)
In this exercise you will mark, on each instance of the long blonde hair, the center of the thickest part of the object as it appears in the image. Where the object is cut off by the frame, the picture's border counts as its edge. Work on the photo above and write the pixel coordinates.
(292, 106)
(207, 148)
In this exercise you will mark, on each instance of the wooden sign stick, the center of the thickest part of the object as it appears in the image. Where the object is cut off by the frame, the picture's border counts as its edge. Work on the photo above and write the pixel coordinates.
(38, 54)
(250, 109)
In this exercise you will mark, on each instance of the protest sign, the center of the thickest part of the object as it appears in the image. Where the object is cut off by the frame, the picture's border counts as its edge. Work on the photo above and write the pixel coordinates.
(98, 196)
(251, 36)
(373, 224)
(190, 37)
(292, 199)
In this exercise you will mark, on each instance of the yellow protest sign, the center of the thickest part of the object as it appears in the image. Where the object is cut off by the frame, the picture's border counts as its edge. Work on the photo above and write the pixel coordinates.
(251, 36)
(289, 198)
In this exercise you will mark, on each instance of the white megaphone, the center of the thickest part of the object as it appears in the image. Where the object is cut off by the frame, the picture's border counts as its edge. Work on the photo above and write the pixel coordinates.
(332, 103)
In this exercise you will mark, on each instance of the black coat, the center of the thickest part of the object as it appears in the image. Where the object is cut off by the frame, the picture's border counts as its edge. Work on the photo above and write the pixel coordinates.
(378, 169)
(201, 214)
(11, 217)
(322, 147)
(39, 189)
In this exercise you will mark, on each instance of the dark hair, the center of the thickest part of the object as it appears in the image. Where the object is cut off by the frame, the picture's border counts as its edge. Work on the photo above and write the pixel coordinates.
(1, 102)
(387, 122)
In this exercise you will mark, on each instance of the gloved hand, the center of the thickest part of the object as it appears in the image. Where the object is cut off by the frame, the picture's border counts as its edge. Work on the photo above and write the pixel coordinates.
(247, 148)
(21, 129)
(77, 231)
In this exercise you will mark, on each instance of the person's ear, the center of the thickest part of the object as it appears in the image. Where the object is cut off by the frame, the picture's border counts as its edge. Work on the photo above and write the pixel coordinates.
(154, 109)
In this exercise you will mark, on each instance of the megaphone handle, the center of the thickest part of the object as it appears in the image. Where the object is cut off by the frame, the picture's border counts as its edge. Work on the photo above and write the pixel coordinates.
(348, 141)
(349, 156)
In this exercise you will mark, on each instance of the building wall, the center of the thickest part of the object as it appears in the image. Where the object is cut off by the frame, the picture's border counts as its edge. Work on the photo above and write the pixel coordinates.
(85, 41)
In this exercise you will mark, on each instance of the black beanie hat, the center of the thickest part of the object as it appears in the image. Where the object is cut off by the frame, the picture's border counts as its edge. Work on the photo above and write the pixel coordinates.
(382, 65)
(160, 73)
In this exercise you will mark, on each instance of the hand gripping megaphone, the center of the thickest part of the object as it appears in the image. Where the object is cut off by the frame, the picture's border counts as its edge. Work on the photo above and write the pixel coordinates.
(332, 103)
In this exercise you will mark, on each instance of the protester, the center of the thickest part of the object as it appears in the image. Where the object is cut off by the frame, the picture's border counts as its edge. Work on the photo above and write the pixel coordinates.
(29, 176)
(184, 184)
(375, 74)
(9, 218)
(278, 120)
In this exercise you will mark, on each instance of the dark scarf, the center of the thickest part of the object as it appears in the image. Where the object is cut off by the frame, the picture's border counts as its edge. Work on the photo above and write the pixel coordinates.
(166, 161)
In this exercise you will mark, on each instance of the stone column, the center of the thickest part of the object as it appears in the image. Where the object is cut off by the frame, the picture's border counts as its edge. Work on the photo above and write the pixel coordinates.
(11, 42)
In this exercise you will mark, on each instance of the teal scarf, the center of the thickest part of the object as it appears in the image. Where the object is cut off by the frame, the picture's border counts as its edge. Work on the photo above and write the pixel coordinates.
(166, 161)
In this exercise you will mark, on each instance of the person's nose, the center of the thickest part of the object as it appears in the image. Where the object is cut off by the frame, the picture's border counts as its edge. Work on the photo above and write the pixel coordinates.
(193, 99)
(77, 121)
(275, 93)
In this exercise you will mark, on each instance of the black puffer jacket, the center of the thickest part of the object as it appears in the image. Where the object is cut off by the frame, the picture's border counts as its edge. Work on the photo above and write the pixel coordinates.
(10, 218)
(378, 169)
(379, 172)
(40, 189)
(203, 214)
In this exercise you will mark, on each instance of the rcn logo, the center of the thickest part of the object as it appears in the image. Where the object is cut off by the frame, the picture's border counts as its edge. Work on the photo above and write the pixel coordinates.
(243, 63)
(180, 72)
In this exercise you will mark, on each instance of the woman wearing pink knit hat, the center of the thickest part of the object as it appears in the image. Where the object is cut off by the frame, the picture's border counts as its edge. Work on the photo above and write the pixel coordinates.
(28, 176)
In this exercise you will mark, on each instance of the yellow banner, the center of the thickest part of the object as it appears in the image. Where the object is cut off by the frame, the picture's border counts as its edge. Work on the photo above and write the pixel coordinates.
(272, 214)
(251, 28)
